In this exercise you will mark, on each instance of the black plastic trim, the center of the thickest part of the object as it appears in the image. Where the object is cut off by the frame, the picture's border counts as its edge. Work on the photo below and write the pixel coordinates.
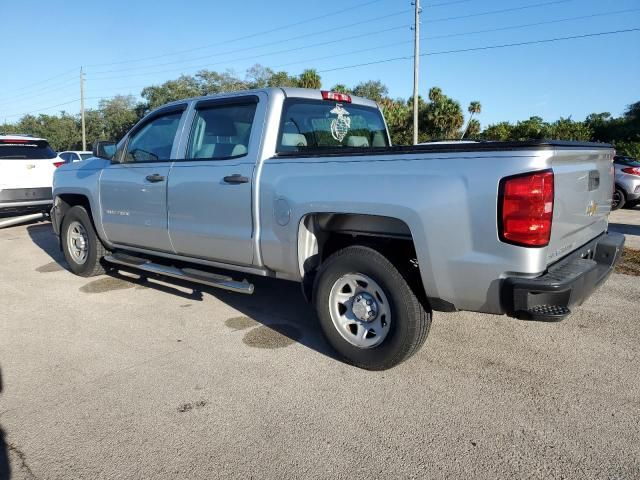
(567, 283)
(445, 148)
(215, 102)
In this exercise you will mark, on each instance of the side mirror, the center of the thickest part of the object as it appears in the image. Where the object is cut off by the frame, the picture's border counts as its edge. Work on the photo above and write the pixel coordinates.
(104, 149)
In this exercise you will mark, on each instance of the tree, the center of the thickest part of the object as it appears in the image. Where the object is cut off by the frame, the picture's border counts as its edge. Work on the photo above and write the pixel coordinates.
(372, 89)
(183, 87)
(474, 108)
(442, 117)
(282, 79)
(118, 116)
(309, 79)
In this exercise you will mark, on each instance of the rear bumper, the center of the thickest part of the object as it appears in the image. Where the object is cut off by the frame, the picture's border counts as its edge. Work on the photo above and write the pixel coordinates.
(566, 284)
(25, 199)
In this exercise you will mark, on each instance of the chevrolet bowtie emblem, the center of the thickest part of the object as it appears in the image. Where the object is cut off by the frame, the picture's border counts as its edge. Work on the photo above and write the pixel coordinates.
(592, 208)
(30, 166)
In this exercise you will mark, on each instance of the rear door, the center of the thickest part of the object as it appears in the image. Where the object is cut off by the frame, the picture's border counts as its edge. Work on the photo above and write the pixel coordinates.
(26, 164)
(133, 191)
(583, 185)
(210, 214)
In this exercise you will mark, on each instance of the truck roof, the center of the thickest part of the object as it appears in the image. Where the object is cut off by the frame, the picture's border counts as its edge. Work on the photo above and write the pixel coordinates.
(289, 92)
(19, 136)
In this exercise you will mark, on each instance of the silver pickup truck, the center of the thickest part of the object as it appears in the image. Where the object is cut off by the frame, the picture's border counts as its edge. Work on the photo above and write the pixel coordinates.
(304, 185)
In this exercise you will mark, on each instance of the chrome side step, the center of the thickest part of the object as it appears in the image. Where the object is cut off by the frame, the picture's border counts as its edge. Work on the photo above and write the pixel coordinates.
(189, 274)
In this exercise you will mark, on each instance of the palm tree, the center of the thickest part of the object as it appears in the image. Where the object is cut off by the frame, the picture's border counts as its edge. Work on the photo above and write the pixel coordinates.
(474, 107)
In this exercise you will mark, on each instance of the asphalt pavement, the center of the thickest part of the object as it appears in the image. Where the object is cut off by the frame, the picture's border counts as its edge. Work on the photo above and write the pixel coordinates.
(115, 377)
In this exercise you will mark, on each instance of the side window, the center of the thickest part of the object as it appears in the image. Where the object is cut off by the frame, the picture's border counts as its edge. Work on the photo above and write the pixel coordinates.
(65, 157)
(154, 141)
(221, 131)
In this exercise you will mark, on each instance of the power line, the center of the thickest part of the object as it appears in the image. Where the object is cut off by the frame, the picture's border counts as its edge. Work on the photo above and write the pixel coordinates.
(458, 34)
(489, 47)
(287, 40)
(237, 39)
(24, 87)
(252, 35)
(47, 90)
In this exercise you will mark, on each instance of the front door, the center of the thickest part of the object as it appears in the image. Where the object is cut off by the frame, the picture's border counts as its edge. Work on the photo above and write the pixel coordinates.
(210, 214)
(133, 192)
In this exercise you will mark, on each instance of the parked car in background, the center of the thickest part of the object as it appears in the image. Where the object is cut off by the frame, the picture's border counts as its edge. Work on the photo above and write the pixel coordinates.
(74, 156)
(627, 192)
(26, 174)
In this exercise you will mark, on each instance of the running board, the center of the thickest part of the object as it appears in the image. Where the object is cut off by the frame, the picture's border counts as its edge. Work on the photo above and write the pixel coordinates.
(189, 274)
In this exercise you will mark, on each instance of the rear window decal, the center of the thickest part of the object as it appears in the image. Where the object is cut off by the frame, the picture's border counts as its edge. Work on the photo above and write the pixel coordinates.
(341, 124)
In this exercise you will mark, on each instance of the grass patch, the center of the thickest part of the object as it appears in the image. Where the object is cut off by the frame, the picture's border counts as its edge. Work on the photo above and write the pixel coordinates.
(630, 263)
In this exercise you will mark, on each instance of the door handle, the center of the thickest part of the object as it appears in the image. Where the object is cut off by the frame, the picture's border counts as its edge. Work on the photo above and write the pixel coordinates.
(235, 179)
(156, 177)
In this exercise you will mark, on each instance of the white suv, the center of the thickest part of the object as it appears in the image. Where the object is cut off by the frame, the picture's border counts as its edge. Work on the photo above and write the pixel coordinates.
(26, 174)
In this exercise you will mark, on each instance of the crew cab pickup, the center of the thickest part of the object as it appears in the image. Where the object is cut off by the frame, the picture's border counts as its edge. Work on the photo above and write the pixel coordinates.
(304, 185)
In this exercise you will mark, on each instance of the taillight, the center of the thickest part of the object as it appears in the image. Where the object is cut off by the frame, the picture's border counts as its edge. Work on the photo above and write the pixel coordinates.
(58, 164)
(336, 96)
(525, 209)
(632, 170)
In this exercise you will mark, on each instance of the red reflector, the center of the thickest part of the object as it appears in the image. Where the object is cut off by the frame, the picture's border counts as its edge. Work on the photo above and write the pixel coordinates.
(58, 164)
(525, 209)
(336, 96)
(632, 170)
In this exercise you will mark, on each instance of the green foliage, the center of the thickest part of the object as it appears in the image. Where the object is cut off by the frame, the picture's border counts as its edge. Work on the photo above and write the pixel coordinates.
(373, 89)
(440, 117)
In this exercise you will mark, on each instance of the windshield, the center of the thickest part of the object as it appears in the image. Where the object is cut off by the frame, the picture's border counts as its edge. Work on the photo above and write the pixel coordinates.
(316, 125)
(25, 149)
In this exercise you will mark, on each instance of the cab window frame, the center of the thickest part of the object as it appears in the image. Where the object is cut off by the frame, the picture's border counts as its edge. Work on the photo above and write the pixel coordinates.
(161, 112)
(213, 103)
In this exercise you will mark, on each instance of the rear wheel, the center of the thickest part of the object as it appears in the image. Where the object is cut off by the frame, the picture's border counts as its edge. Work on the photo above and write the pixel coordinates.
(367, 310)
(618, 200)
(81, 246)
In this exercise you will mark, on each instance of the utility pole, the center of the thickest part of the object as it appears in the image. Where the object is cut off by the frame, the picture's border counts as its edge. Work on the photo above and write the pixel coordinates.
(416, 67)
(84, 137)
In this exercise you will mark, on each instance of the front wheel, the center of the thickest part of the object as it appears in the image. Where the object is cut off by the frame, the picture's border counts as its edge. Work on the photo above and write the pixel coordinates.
(367, 310)
(81, 246)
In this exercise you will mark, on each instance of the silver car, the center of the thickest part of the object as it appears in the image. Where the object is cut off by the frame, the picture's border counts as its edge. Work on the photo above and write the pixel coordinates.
(627, 192)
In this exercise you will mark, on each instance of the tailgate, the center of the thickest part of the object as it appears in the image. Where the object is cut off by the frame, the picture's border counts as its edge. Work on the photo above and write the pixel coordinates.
(16, 173)
(583, 184)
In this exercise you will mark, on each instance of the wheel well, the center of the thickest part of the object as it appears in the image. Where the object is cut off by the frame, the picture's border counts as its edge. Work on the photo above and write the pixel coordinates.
(68, 200)
(323, 234)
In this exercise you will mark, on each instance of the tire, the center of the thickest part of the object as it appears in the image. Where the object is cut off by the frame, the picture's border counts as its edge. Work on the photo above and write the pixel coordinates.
(619, 199)
(379, 282)
(77, 219)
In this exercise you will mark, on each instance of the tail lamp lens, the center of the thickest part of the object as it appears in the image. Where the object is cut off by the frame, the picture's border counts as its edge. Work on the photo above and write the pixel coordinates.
(632, 170)
(525, 209)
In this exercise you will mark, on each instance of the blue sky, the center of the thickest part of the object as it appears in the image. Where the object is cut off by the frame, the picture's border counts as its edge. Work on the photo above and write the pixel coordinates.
(568, 78)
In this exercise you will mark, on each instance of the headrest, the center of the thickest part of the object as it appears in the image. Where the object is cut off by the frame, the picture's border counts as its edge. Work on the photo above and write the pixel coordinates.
(293, 140)
(357, 142)
(239, 150)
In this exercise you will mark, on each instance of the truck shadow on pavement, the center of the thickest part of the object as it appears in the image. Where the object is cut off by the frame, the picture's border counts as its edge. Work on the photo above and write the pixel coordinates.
(276, 309)
(625, 228)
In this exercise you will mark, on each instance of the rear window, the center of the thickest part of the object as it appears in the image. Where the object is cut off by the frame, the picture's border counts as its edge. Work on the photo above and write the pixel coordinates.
(630, 161)
(25, 149)
(309, 125)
